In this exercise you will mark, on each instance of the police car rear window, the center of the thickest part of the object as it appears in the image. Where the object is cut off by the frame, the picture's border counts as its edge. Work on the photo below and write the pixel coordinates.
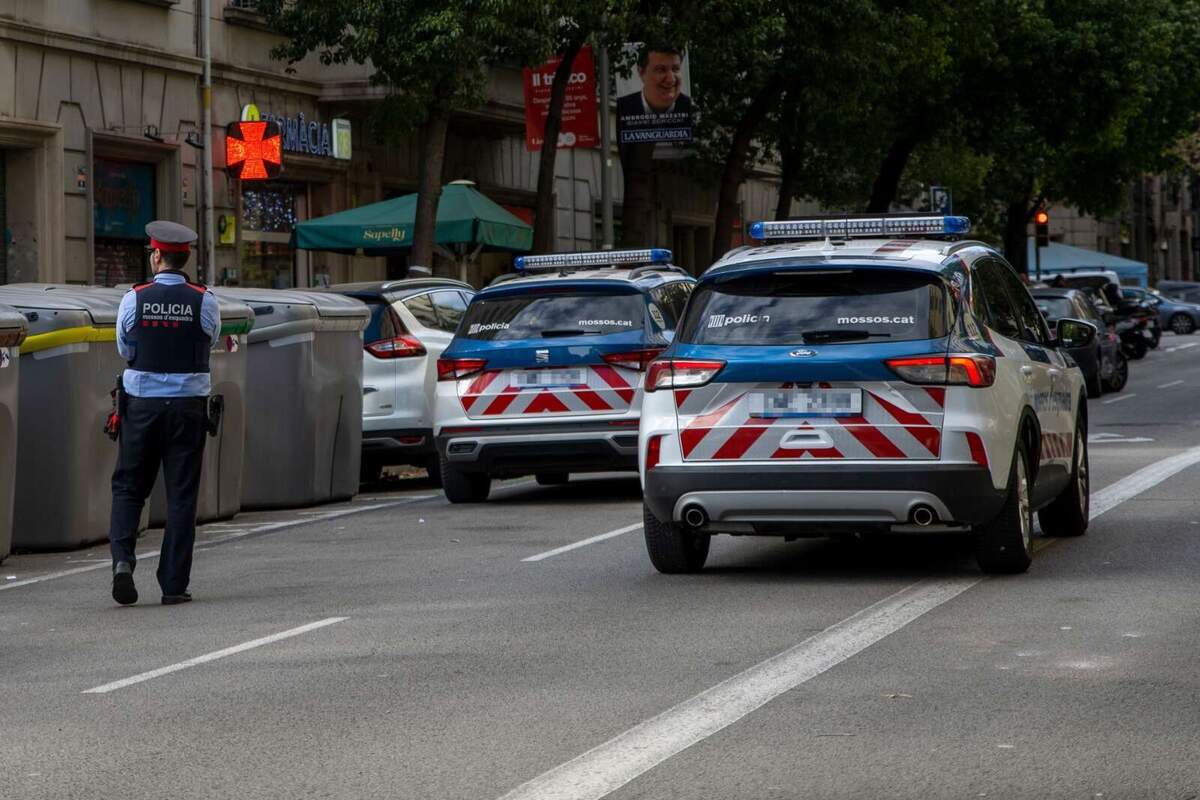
(546, 315)
(842, 306)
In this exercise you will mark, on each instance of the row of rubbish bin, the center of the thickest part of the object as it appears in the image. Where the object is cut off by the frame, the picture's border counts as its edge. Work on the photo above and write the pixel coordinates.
(287, 369)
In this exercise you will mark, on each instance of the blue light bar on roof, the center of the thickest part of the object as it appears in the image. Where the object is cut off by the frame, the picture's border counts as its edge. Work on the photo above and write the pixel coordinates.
(598, 258)
(850, 227)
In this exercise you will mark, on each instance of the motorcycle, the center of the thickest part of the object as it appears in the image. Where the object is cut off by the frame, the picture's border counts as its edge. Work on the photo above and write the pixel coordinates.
(1136, 336)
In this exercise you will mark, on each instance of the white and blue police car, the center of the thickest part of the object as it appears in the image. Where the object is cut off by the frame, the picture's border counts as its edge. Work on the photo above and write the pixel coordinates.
(544, 375)
(864, 375)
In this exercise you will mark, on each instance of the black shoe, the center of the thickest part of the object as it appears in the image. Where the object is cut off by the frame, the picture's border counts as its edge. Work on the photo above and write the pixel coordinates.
(176, 599)
(124, 592)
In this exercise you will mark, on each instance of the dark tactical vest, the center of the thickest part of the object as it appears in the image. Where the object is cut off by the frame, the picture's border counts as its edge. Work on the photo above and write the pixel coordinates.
(166, 329)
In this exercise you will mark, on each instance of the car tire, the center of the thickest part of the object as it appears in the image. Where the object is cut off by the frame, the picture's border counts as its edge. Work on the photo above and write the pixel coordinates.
(552, 478)
(1120, 374)
(1182, 324)
(1095, 386)
(464, 487)
(1068, 514)
(672, 549)
(1004, 546)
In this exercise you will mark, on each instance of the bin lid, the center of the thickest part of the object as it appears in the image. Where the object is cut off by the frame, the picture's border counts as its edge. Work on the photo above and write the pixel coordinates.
(331, 305)
(53, 319)
(101, 303)
(13, 326)
(298, 309)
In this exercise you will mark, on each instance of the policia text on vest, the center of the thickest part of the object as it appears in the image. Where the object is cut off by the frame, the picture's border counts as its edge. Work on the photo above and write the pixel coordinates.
(165, 330)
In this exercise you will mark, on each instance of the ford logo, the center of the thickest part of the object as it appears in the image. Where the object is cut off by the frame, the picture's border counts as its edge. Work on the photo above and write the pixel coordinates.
(802, 353)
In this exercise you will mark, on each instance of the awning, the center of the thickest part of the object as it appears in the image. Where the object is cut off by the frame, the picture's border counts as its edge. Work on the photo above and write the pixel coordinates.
(464, 217)
(1063, 258)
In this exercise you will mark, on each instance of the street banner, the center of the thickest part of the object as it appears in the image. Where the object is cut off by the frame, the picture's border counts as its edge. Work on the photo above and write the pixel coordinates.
(579, 127)
(654, 103)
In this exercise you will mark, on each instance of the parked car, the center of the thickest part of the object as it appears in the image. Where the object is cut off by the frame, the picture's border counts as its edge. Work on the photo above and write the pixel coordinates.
(1187, 291)
(1176, 315)
(1104, 365)
(1136, 323)
(412, 322)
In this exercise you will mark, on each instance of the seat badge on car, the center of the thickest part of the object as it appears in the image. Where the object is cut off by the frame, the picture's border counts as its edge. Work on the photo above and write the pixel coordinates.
(802, 353)
(541, 356)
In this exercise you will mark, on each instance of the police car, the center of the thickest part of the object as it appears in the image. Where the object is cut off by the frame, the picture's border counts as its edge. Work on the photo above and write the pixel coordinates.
(544, 374)
(864, 376)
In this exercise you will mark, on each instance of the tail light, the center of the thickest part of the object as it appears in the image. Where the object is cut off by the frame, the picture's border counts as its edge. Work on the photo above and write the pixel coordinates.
(451, 369)
(404, 346)
(957, 370)
(680, 373)
(653, 451)
(634, 359)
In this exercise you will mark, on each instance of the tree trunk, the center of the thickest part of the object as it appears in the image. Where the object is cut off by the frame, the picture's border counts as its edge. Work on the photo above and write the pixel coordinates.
(1016, 224)
(429, 190)
(637, 172)
(887, 183)
(543, 221)
(789, 179)
(735, 163)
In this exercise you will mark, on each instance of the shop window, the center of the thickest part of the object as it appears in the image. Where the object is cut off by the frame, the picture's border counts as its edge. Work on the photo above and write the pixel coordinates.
(269, 214)
(124, 203)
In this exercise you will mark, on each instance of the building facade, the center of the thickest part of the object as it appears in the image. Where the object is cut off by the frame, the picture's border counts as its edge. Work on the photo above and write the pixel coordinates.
(100, 131)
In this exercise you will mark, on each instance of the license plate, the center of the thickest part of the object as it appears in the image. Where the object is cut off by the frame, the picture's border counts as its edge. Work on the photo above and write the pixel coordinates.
(547, 378)
(807, 403)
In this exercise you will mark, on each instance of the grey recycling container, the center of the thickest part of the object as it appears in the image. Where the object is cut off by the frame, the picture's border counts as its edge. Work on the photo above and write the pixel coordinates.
(304, 397)
(13, 329)
(69, 366)
(220, 495)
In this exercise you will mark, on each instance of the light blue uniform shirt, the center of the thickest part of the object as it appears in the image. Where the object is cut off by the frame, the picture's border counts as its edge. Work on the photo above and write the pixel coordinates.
(164, 384)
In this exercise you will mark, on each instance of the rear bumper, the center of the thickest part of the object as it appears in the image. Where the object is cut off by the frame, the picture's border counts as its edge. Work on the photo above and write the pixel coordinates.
(757, 498)
(551, 447)
(397, 445)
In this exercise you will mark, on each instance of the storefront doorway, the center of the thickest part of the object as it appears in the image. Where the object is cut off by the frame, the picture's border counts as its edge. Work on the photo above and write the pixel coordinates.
(125, 201)
(270, 211)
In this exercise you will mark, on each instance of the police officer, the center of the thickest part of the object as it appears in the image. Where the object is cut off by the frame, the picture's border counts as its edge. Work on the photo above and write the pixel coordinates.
(165, 329)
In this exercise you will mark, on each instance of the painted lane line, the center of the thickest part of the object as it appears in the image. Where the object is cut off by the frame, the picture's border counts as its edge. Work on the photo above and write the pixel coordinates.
(609, 766)
(204, 659)
(584, 542)
(1168, 385)
(1181, 347)
(623, 758)
(225, 537)
(1119, 399)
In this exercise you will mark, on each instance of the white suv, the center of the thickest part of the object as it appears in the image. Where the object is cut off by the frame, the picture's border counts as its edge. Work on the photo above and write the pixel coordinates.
(864, 385)
(412, 321)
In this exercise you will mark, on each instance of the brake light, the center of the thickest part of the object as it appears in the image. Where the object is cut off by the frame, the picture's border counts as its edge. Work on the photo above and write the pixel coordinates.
(452, 369)
(634, 359)
(403, 346)
(680, 373)
(654, 451)
(956, 370)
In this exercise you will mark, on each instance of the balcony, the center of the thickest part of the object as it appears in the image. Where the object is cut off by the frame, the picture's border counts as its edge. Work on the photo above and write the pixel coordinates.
(245, 13)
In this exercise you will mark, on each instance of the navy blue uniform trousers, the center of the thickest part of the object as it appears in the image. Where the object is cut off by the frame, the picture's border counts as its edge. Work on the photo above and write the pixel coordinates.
(168, 433)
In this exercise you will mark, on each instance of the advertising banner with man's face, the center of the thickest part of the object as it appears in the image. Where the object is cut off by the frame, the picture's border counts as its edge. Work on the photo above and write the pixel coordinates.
(579, 127)
(654, 103)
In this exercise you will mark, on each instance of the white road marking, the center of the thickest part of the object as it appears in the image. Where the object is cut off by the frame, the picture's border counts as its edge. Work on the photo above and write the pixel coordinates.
(1168, 385)
(204, 659)
(583, 542)
(1116, 438)
(227, 536)
(609, 766)
(1181, 347)
(1119, 399)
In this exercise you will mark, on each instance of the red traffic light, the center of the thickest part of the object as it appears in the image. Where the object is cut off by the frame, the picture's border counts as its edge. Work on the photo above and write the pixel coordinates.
(253, 150)
(1041, 218)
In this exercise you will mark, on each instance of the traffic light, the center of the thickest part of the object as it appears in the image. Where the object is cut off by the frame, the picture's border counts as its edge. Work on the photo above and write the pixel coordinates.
(1041, 226)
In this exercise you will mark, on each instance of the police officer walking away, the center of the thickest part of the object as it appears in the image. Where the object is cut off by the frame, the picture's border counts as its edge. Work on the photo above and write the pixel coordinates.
(164, 330)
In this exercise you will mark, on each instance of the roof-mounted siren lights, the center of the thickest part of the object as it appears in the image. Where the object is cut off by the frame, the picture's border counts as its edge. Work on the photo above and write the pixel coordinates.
(596, 258)
(859, 227)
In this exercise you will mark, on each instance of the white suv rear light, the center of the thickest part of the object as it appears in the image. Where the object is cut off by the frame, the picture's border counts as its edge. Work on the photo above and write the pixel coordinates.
(681, 373)
(947, 370)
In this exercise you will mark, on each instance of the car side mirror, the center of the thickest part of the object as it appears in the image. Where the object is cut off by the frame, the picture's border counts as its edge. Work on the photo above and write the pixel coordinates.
(1075, 333)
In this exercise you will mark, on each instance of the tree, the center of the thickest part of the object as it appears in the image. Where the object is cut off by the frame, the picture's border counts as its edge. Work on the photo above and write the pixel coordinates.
(433, 59)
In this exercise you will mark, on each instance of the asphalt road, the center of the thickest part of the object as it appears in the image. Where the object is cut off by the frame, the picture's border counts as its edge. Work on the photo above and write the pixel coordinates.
(399, 647)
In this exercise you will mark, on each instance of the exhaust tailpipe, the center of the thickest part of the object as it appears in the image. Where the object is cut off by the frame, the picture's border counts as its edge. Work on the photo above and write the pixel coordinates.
(923, 515)
(694, 517)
